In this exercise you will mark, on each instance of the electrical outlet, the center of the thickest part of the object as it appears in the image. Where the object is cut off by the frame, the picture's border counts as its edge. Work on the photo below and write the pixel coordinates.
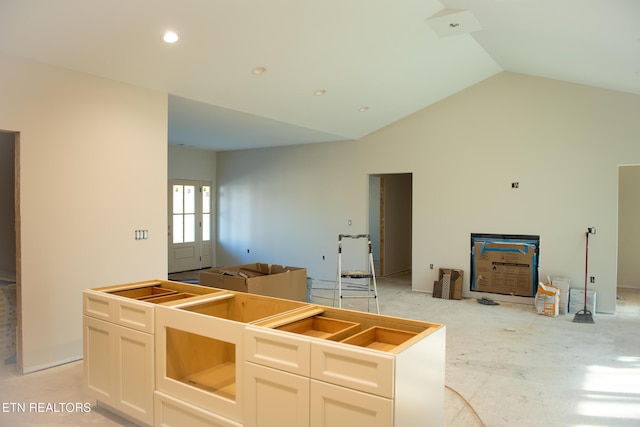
(248, 251)
(323, 257)
(515, 185)
(431, 266)
(592, 279)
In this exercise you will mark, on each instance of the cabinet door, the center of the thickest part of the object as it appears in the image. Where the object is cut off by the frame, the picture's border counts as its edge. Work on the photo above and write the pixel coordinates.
(99, 375)
(338, 406)
(172, 412)
(134, 371)
(275, 398)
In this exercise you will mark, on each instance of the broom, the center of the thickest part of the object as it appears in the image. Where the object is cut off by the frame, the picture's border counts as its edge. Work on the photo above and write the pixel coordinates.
(584, 315)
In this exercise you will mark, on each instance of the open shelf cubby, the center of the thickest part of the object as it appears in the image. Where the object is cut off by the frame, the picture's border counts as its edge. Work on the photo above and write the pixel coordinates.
(202, 362)
(169, 297)
(244, 308)
(322, 327)
(144, 292)
(380, 338)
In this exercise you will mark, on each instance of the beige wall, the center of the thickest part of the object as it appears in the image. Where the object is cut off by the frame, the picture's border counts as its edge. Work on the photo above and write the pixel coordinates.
(93, 156)
(562, 142)
(629, 226)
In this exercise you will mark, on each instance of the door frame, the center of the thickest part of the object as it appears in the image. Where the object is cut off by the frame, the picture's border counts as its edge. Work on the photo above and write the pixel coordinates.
(378, 225)
(204, 261)
(18, 246)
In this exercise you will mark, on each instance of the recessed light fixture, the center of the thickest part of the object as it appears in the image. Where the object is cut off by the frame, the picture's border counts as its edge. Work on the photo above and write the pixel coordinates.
(363, 109)
(319, 92)
(170, 37)
(259, 70)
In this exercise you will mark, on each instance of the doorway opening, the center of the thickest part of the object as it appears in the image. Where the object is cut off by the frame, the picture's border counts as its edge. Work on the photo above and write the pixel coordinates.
(390, 222)
(10, 277)
(628, 283)
(190, 231)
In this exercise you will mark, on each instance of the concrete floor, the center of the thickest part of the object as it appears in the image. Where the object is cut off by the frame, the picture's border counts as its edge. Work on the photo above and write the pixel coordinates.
(505, 365)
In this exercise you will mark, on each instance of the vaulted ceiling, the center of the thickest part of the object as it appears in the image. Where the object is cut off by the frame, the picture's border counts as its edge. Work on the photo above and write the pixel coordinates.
(255, 73)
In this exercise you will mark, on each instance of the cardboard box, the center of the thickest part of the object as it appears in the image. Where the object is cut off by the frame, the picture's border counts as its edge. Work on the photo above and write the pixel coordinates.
(449, 284)
(261, 279)
(504, 268)
(564, 284)
(547, 300)
(576, 301)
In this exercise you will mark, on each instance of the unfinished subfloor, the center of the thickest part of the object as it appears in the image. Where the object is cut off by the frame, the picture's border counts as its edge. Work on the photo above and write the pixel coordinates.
(505, 365)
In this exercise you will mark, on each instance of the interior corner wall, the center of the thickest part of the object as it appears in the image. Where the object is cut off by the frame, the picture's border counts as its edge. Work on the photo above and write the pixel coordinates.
(93, 157)
(562, 142)
(629, 227)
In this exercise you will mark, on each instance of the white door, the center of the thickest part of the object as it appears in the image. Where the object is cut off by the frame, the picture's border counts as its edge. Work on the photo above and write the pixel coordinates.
(190, 215)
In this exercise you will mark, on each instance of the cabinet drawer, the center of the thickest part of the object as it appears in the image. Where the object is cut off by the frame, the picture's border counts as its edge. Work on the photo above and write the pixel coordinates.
(133, 314)
(353, 367)
(331, 406)
(171, 412)
(279, 350)
(97, 305)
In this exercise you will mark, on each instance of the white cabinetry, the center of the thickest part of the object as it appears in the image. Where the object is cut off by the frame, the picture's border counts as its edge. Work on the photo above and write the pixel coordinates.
(118, 343)
(117, 368)
(200, 349)
(275, 397)
(388, 373)
(164, 354)
(339, 406)
(172, 412)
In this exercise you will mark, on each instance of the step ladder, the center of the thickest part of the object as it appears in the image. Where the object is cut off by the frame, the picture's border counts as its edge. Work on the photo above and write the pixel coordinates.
(367, 288)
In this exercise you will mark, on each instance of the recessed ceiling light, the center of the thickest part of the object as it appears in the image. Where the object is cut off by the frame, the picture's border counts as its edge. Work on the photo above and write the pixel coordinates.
(170, 37)
(319, 92)
(363, 109)
(259, 70)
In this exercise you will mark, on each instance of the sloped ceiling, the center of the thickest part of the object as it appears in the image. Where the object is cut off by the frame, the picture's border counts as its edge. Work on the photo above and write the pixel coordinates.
(377, 61)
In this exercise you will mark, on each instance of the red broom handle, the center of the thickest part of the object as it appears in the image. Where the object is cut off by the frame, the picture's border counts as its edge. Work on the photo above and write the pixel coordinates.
(586, 271)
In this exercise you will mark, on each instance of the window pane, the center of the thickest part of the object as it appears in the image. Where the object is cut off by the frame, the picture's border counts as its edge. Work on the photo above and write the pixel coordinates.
(189, 228)
(177, 199)
(189, 199)
(206, 199)
(206, 227)
(177, 229)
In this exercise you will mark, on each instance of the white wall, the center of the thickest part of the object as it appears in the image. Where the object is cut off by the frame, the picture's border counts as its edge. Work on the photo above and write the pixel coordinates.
(93, 156)
(562, 142)
(191, 163)
(629, 227)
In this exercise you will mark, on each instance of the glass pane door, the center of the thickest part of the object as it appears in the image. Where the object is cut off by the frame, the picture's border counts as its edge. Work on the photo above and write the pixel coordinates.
(190, 232)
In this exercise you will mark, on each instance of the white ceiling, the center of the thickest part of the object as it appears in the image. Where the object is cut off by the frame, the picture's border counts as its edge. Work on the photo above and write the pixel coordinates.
(385, 55)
